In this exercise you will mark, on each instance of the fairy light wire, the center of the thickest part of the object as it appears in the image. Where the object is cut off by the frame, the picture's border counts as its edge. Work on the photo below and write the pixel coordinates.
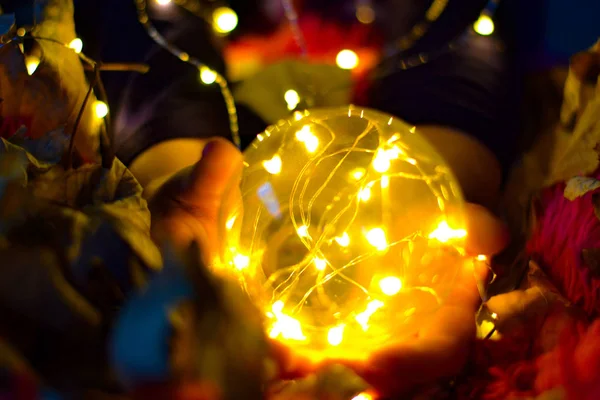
(144, 19)
(392, 62)
(283, 282)
(292, 17)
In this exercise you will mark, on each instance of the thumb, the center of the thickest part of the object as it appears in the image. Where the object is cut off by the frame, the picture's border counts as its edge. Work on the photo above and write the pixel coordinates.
(219, 168)
(486, 233)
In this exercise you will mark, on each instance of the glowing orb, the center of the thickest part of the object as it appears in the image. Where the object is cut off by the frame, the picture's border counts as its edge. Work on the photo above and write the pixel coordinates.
(348, 233)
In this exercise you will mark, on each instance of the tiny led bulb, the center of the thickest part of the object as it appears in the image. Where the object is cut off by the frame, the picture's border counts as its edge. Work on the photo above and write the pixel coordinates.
(365, 194)
(390, 285)
(363, 396)
(347, 59)
(31, 63)
(443, 233)
(224, 19)
(302, 231)
(484, 25)
(320, 263)
(482, 257)
(376, 237)
(305, 135)
(273, 166)
(343, 240)
(163, 2)
(77, 45)
(100, 109)
(230, 222)
(336, 335)
(381, 161)
(358, 173)
(207, 75)
(241, 261)
(292, 98)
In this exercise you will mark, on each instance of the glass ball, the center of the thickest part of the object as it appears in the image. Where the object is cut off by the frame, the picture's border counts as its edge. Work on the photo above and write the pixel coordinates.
(348, 231)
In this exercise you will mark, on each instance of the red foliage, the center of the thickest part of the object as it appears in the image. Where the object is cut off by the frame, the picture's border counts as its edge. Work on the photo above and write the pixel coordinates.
(564, 229)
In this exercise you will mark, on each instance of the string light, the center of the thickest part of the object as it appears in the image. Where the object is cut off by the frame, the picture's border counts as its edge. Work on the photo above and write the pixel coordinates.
(207, 75)
(393, 59)
(159, 39)
(225, 20)
(292, 98)
(390, 285)
(484, 25)
(347, 59)
(100, 109)
(77, 45)
(163, 2)
(31, 63)
(363, 396)
(316, 246)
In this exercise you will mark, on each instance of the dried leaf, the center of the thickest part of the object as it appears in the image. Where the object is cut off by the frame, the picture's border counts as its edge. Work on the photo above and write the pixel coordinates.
(215, 335)
(53, 95)
(537, 310)
(575, 152)
(49, 148)
(579, 186)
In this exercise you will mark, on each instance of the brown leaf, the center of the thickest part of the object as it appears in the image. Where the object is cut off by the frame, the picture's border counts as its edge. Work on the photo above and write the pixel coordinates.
(537, 310)
(53, 95)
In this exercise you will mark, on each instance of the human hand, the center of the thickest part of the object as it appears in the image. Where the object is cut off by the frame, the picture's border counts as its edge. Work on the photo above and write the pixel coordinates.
(186, 208)
(441, 348)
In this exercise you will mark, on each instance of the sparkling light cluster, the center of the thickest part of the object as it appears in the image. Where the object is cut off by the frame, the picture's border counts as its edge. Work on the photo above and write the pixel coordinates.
(348, 232)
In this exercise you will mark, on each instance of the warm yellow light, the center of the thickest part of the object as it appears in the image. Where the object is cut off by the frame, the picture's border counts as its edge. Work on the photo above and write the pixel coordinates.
(230, 222)
(482, 257)
(77, 45)
(411, 161)
(363, 317)
(385, 181)
(343, 240)
(273, 166)
(31, 63)
(100, 109)
(284, 325)
(292, 98)
(443, 233)
(320, 263)
(383, 158)
(320, 232)
(390, 285)
(207, 75)
(363, 396)
(494, 316)
(365, 194)
(484, 25)
(224, 19)
(277, 307)
(302, 231)
(241, 261)
(347, 59)
(163, 2)
(376, 238)
(336, 335)
(305, 135)
(358, 173)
